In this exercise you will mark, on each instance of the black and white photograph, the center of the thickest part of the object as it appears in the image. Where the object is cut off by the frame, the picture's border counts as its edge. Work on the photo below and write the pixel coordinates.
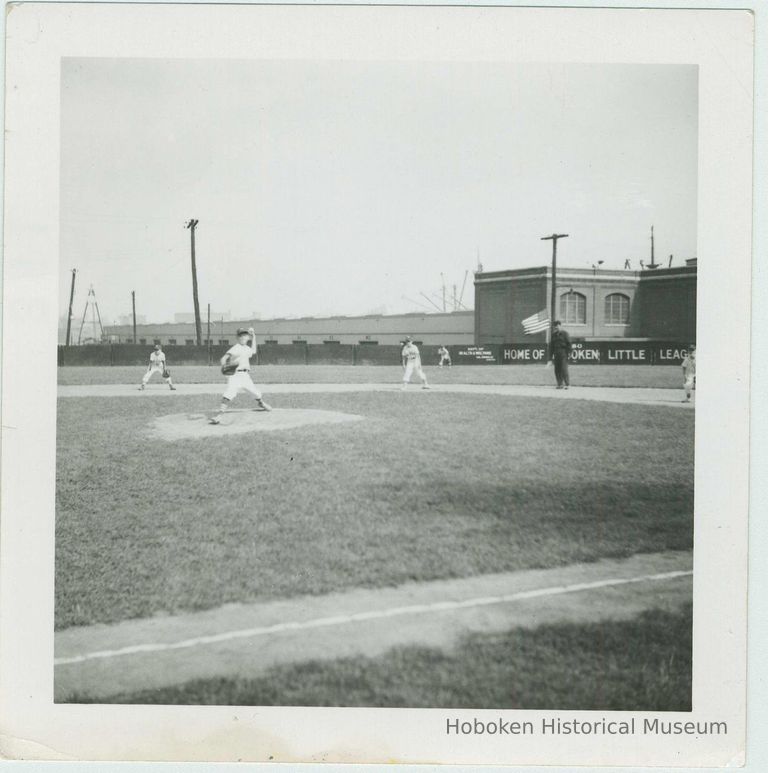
(363, 429)
(376, 388)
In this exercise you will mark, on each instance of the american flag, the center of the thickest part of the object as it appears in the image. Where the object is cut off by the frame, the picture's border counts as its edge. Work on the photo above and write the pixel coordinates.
(536, 322)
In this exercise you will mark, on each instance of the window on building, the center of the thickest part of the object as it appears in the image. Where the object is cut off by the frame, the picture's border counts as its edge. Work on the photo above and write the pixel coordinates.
(270, 340)
(189, 342)
(172, 341)
(142, 340)
(573, 308)
(331, 341)
(223, 341)
(368, 342)
(299, 341)
(208, 342)
(129, 340)
(155, 340)
(616, 309)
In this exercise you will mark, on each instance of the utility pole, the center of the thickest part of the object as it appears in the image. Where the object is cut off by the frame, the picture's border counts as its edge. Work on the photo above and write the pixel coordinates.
(133, 307)
(455, 299)
(192, 224)
(71, 299)
(208, 336)
(553, 298)
(442, 278)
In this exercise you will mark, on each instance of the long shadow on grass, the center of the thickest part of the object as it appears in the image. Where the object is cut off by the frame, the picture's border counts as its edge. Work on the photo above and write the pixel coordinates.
(637, 665)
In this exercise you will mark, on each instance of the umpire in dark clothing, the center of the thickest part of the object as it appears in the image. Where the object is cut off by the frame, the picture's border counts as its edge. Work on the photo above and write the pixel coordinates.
(559, 349)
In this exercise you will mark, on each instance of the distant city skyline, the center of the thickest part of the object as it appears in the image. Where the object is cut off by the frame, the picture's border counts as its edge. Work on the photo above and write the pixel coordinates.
(338, 188)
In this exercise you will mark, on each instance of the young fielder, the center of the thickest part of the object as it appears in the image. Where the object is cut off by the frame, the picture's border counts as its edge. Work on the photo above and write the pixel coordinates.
(689, 373)
(236, 365)
(412, 362)
(445, 357)
(157, 365)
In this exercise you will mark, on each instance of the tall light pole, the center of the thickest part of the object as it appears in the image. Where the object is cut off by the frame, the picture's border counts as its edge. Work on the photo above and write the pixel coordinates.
(192, 224)
(553, 297)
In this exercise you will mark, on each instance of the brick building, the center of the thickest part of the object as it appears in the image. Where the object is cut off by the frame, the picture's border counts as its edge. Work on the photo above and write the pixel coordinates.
(593, 304)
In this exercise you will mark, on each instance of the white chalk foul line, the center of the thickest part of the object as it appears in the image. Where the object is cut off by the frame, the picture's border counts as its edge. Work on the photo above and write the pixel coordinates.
(379, 614)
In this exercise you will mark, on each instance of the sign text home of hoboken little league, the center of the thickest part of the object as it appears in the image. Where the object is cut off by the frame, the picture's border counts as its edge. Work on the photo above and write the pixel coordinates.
(599, 353)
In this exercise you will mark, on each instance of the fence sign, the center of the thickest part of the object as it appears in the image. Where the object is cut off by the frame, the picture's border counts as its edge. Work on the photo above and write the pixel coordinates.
(670, 354)
(627, 354)
(585, 354)
(523, 354)
(468, 355)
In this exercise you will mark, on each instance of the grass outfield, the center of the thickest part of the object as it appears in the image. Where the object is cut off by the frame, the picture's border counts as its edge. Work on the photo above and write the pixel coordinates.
(641, 665)
(444, 486)
(664, 376)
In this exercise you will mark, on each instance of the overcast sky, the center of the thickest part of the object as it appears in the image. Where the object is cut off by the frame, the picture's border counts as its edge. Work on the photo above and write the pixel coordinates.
(344, 188)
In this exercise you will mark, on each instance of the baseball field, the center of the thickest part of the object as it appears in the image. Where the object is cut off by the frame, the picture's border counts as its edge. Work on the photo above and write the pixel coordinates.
(488, 543)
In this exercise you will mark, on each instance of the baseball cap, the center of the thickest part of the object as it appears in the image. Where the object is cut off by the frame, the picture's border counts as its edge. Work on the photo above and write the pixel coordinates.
(242, 331)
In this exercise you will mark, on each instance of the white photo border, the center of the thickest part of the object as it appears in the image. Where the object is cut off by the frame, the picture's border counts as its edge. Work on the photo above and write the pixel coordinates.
(38, 35)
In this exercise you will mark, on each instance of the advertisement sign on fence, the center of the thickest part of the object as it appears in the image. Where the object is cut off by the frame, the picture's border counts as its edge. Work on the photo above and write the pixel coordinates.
(474, 355)
(586, 354)
(523, 354)
(600, 353)
(627, 354)
(670, 354)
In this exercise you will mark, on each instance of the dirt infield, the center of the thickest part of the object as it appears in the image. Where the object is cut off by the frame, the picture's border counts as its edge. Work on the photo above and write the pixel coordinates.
(246, 639)
(183, 426)
(636, 395)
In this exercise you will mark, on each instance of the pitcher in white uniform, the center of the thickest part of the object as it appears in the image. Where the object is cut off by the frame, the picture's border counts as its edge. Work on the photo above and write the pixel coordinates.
(240, 356)
(412, 363)
(157, 365)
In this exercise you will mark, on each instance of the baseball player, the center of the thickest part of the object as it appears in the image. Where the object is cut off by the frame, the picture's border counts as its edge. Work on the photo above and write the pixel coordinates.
(238, 360)
(412, 362)
(445, 357)
(157, 365)
(689, 373)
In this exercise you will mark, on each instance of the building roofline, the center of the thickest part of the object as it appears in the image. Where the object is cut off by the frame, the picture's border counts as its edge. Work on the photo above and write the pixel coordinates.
(587, 273)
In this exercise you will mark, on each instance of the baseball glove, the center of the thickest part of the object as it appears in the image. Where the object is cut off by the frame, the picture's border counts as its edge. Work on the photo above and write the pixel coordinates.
(228, 368)
(166, 373)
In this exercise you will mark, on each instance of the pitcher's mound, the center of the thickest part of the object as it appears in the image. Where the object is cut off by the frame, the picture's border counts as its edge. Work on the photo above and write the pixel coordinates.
(181, 426)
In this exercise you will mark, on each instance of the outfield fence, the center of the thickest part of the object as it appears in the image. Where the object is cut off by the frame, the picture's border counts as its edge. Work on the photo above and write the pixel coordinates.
(594, 353)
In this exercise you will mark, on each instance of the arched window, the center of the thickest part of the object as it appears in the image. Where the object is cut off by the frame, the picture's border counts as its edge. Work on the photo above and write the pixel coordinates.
(573, 308)
(616, 309)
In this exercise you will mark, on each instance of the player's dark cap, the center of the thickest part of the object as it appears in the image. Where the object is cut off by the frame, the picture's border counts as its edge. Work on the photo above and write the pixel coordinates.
(557, 323)
(241, 331)
(157, 346)
(408, 339)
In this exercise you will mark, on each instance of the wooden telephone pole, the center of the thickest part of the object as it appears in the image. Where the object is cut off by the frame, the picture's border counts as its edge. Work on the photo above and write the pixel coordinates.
(133, 307)
(71, 299)
(192, 224)
(553, 297)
